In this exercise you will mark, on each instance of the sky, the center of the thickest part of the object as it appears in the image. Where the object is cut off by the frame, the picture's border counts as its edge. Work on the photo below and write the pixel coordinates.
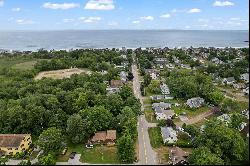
(124, 14)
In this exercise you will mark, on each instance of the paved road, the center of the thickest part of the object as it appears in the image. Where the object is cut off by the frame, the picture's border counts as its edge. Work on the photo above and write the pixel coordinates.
(147, 156)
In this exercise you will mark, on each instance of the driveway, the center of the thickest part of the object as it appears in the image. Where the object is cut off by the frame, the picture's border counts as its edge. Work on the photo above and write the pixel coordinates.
(75, 161)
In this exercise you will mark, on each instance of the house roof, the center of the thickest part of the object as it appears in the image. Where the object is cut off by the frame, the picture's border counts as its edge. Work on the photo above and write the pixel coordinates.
(168, 112)
(230, 79)
(168, 132)
(111, 135)
(115, 83)
(99, 136)
(11, 140)
(104, 135)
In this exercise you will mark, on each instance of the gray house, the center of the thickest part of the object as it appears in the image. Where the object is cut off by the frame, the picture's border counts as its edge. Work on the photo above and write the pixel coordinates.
(195, 102)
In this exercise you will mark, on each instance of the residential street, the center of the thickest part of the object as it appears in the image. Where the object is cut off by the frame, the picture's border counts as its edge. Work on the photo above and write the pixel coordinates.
(147, 156)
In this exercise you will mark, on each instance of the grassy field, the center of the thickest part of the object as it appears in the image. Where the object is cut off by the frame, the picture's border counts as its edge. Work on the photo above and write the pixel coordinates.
(163, 155)
(18, 62)
(149, 115)
(190, 113)
(100, 155)
(97, 155)
(155, 137)
(25, 65)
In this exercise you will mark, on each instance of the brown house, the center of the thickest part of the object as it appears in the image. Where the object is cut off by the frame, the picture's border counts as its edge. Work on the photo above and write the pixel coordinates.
(116, 83)
(104, 137)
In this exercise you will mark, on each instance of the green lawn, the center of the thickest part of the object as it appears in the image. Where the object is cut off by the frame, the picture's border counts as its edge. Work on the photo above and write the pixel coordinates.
(191, 113)
(97, 155)
(155, 137)
(149, 115)
(100, 155)
(147, 101)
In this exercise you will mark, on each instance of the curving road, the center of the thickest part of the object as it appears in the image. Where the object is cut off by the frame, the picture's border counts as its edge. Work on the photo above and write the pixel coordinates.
(147, 156)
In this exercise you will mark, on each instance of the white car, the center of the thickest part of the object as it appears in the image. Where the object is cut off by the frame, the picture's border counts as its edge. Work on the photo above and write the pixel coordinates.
(89, 146)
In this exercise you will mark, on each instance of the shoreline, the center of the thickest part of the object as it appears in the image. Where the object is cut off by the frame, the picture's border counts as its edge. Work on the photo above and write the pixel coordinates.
(120, 48)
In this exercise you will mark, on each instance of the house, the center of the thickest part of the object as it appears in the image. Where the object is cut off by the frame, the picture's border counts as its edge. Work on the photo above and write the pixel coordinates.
(123, 76)
(245, 77)
(11, 144)
(161, 105)
(154, 74)
(217, 61)
(124, 56)
(162, 114)
(245, 113)
(164, 89)
(114, 86)
(185, 66)
(195, 102)
(168, 135)
(157, 97)
(246, 91)
(161, 61)
(228, 81)
(178, 156)
(104, 137)
(239, 85)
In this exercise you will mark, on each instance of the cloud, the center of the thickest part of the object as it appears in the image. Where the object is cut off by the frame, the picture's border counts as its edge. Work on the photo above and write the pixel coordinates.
(16, 9)
(147, 18)
(136, 22)
(100, 5)
(194, 10)
(1, 3)
(63, 6)
(187, 27)
(165, 16)
(67, 20)
(178, 11)
(223, 3)
(92, 19)
(24, 22)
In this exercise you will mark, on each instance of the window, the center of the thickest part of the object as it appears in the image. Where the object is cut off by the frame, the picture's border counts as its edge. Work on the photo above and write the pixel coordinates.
(16, 149)
(22, 145)
(9, 148)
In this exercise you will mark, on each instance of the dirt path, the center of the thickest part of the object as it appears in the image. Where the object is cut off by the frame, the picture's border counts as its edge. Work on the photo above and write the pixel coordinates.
(195, 119)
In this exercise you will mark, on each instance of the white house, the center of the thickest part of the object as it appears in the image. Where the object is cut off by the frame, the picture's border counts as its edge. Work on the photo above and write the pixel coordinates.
(169, 135)
(162, 114)
(164, 89)
(228, 81)
(246, 90)
(245, 77)
(154, 74)
(161, 105)
(123, 76)
(195, 102)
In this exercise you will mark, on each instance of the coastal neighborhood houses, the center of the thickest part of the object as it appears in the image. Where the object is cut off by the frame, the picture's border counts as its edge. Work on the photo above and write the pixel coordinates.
(12, 144)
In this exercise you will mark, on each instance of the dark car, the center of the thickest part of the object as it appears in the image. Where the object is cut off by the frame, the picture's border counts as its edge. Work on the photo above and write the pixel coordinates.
(72, 155)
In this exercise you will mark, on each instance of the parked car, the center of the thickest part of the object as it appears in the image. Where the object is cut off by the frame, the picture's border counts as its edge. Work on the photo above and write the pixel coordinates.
(89, 146)
(72, 155)
(64, 151)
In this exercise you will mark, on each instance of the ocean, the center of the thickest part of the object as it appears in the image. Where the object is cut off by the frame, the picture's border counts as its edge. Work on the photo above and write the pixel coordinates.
(75, 39)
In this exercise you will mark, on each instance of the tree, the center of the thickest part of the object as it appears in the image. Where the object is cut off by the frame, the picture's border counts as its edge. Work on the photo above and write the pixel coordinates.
(192, 130)
(215, 97)
(130, 76)
(154, 87)
(25, 162)
(75, 128)
(48, 160)
(229, 105)
(126, 150)
(236, 120)
(50, 140)
(3, 160)
(125, 92)
(170, 123)
(114, 104)
(147, 79)
(203, 156)
(162, 123)
(223, 141)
